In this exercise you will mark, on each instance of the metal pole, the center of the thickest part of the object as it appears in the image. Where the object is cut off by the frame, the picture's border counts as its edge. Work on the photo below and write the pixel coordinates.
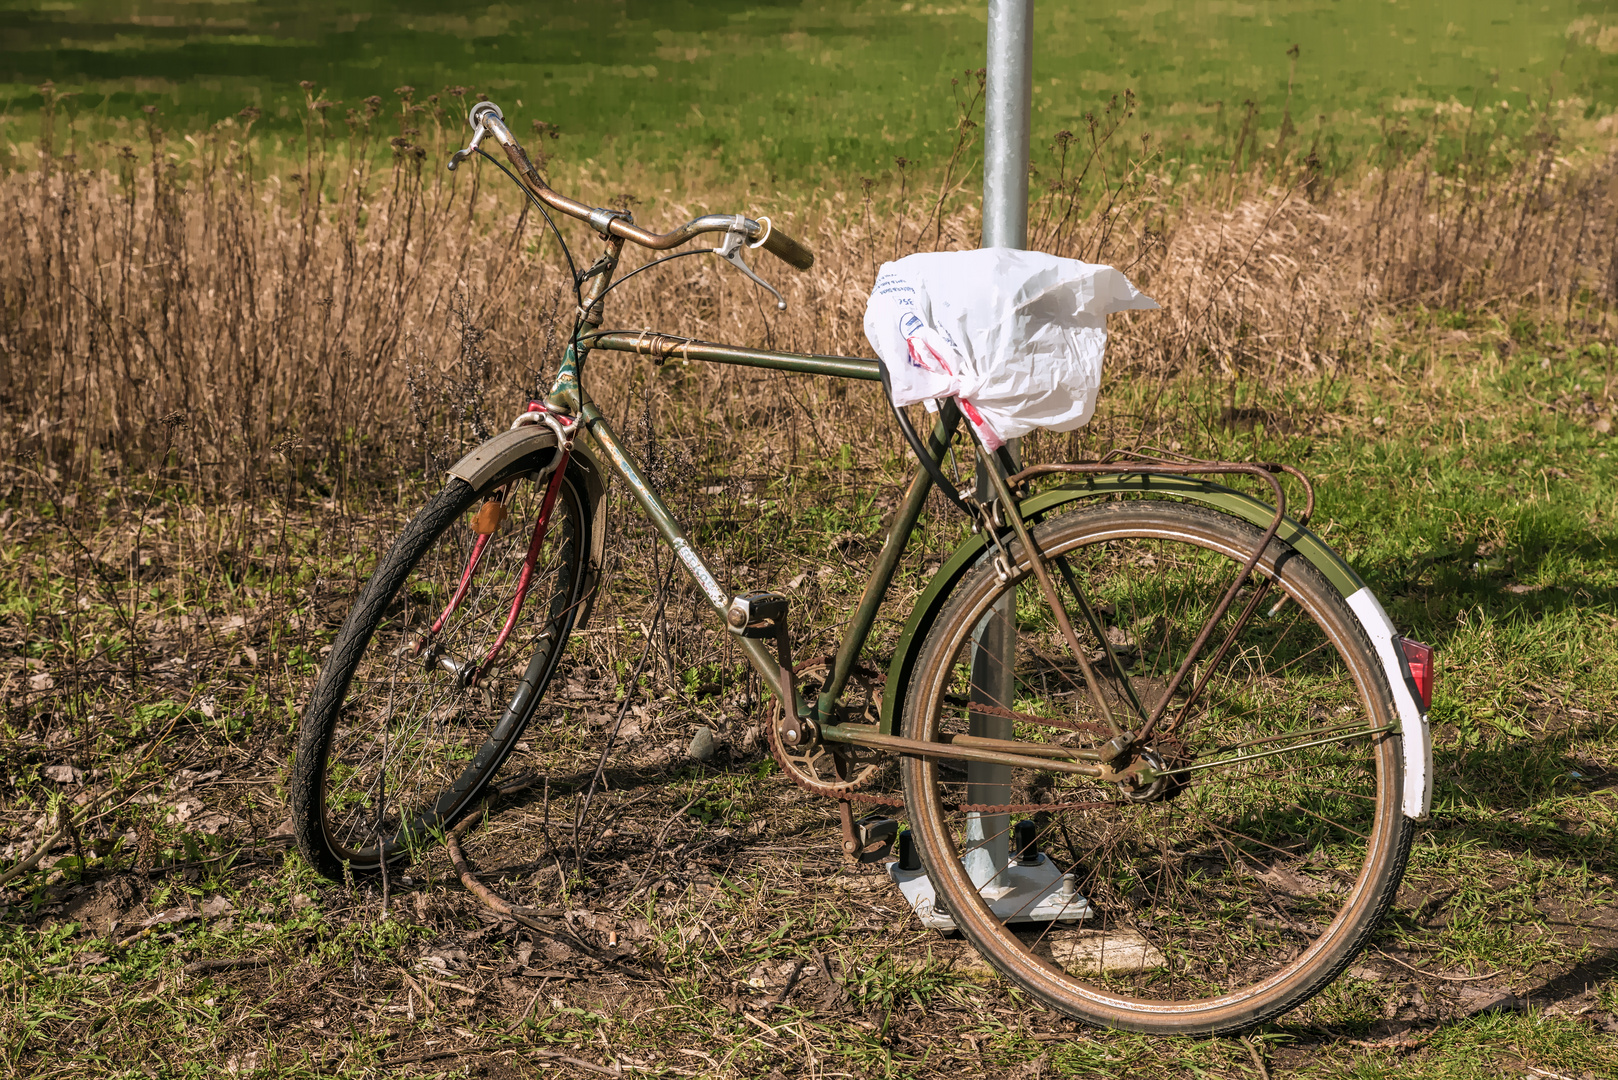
(1006, 105)
(1007, 100)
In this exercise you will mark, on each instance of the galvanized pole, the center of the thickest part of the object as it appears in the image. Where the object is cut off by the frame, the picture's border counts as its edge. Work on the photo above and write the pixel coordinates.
(1007, 104)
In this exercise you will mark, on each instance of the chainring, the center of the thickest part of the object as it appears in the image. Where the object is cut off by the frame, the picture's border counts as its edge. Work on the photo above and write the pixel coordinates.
(834, 770)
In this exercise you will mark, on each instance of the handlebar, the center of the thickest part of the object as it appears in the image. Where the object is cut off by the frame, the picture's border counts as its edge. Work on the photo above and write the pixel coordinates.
(486, 119)
(787, 249)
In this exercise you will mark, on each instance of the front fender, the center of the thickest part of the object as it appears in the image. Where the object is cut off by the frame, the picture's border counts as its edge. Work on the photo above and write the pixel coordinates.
(1417, 740)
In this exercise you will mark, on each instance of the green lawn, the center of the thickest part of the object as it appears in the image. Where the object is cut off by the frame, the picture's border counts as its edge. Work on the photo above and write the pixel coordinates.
(837, 84)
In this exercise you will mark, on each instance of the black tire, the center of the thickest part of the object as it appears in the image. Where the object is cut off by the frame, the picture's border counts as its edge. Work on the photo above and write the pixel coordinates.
(394, 747)
(1230, 894)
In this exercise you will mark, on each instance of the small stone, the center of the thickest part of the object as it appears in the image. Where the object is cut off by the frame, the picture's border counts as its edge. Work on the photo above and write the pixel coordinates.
(702, 746)
(170, 917)
(1097, 952)
(62, 774)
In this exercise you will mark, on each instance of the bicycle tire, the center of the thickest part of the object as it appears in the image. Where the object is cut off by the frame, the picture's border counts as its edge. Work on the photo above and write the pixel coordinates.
(394, 749)
(1240, 890)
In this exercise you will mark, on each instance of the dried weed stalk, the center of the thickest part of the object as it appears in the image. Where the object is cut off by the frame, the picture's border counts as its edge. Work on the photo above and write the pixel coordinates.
(349, 305)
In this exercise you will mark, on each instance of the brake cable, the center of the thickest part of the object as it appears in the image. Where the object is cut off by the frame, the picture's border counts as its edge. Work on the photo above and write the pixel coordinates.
(949, 490)
(572, 267)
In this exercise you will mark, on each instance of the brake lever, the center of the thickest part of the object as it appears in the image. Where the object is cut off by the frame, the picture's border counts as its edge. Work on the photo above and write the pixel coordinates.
(731, 248)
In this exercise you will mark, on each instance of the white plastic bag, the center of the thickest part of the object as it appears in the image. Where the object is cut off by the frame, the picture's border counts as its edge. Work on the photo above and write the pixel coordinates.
(1016, 336)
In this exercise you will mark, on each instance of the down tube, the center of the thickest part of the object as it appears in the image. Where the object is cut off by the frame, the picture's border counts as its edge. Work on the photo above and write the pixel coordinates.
(662, 518)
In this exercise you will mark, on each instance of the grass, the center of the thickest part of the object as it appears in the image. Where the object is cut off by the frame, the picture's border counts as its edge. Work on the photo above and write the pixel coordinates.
(834, 87)
(194, 485)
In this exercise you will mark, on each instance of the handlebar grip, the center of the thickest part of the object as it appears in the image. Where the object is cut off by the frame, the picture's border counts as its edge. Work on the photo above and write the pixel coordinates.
(788, 250)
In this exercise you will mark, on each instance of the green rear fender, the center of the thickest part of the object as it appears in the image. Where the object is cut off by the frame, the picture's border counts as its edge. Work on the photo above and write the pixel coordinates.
(1189, 489)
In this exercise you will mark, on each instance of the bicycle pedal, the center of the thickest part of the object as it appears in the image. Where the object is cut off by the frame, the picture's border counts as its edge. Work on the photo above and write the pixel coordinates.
(875, 829)
(870, 831)
(757, 614)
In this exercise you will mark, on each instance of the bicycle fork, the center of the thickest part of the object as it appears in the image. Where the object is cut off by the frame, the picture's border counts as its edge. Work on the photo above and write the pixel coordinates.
(487, 522)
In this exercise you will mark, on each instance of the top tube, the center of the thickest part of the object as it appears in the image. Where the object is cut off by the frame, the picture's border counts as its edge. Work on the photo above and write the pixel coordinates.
(661, 347)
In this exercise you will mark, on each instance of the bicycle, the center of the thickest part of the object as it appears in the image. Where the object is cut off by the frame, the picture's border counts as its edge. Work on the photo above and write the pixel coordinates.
(1183, 805)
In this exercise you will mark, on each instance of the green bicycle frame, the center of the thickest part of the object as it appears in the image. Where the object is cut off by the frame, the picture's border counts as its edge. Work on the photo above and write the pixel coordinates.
(617, 458)
(568, 396)
(1128, 475)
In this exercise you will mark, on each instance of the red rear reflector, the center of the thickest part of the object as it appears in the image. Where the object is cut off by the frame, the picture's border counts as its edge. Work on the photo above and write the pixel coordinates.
(1419, 662)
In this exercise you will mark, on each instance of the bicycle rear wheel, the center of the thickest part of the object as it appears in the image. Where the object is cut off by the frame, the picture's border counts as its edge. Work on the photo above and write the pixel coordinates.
(1214, 898)
(399, 739)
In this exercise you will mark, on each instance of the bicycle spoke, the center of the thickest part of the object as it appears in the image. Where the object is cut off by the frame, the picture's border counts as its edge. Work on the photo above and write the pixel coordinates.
(1184, 883)
(414, 719)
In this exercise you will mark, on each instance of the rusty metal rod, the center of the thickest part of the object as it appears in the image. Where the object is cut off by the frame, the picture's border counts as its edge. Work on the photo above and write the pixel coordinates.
(1013, 746)
(862, 735)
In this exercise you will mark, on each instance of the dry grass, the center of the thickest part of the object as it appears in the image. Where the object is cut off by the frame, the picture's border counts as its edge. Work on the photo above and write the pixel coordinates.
(239, 337)
(330, 306)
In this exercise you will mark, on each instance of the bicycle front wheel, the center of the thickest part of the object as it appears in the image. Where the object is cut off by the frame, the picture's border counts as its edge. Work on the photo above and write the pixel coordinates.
(416, 708)
(1254, 867)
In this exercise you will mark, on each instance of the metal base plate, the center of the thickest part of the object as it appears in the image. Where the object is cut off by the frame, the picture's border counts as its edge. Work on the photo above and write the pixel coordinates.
(1019, 894)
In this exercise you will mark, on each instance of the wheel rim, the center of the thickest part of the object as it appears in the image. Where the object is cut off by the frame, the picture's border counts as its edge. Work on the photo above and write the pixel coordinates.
(1253, 882)
(412, 746)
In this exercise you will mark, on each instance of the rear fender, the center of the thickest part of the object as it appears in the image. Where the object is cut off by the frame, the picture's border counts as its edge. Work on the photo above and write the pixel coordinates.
(531, 447)
(1417, 740)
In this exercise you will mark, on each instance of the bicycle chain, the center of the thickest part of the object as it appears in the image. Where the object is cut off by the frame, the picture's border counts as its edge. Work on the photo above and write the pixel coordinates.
(982, 808)
(897, 802)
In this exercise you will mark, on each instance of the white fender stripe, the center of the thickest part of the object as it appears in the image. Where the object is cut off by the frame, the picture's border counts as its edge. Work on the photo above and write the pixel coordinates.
(1418, 738)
